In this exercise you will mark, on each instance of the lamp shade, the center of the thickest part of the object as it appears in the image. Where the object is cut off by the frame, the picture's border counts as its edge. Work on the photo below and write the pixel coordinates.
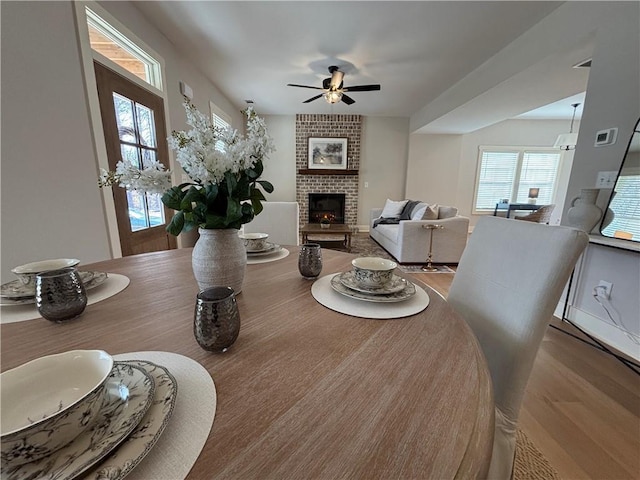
(534, 192)
(566, 141)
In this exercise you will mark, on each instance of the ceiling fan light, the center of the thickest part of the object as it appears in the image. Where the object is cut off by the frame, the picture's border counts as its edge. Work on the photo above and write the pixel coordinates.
(333, 96)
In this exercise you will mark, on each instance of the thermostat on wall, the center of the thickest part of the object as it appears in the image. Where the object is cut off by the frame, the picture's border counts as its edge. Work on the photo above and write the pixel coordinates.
(606, 137)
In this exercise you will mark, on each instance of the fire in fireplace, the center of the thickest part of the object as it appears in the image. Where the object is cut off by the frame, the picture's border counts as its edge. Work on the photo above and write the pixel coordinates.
(326, 205)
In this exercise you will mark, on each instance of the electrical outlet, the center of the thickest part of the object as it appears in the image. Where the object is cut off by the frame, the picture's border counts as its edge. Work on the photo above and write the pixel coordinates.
(606, 179)
(607, 286)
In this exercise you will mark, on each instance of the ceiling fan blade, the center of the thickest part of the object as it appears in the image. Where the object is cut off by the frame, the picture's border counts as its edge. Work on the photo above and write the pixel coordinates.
(336, 79)
(348, 100)
(314, 98)
(361, 88)
(302, 86)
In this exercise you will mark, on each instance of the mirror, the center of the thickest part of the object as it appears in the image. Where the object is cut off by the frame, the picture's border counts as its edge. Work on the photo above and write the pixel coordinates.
(624, 204)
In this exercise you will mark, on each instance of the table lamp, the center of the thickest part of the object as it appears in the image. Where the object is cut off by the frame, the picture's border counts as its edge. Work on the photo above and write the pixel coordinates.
(533, 195)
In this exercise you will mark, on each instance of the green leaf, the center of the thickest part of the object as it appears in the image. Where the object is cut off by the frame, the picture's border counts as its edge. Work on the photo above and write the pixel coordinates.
(176, 224)
(231, 182)
(194, 194)
(268, 187)
(172, 198)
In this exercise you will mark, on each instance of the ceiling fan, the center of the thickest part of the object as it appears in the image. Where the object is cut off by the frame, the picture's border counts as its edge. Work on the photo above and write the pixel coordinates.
(334, 91)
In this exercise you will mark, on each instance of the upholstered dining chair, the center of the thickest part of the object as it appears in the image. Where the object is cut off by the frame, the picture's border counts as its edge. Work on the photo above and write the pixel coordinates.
(541, 215)
(281, 220)
(506, 287)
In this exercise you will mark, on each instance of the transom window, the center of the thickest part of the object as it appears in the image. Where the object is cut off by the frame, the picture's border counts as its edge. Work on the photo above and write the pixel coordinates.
(112, 44)
(509, 173)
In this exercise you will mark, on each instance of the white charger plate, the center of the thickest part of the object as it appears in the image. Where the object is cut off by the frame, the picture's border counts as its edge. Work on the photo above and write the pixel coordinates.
(397, 284)
(131, 452)
(400, 296)
(131, 393)
(89, 279)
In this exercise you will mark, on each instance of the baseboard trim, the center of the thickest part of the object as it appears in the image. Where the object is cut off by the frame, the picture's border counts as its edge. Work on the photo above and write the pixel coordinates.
(604, 331)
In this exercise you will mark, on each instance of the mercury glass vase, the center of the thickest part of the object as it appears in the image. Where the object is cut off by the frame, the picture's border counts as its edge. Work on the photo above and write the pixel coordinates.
(310, 260)
(60, 294)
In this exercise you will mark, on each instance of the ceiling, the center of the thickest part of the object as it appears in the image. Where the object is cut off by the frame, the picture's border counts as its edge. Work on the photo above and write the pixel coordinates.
(414, 50)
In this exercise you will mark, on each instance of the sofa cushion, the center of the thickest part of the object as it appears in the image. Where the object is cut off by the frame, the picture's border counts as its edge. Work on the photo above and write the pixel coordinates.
(408, 209)
(418, 211)
(447, 212)
(393, 209)
(431, 212)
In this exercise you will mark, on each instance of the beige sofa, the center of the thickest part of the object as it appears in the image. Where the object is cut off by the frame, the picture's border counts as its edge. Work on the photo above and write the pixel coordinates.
(408, 242)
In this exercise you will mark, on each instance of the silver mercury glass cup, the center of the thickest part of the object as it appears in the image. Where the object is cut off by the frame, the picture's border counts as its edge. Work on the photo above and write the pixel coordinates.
(60, 294)
(216, 321)
(310, 260)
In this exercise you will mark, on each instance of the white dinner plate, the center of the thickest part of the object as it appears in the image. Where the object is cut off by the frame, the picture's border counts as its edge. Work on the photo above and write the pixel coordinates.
(408, 292)
(130, 453)
(89, 279)
(131, 392)
(397, 284)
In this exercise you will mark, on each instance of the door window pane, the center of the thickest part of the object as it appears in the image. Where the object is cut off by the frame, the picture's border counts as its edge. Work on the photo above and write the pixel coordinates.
(145, 125)
(136, 130)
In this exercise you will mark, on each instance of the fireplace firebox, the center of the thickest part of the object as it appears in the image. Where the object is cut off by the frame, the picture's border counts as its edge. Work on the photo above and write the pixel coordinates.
(326, 205)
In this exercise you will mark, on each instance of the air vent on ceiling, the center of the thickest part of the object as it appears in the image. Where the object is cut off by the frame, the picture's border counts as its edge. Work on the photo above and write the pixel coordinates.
(584, 64)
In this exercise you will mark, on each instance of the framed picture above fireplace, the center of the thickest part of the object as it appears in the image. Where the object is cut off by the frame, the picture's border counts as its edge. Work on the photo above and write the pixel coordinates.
(327, 153)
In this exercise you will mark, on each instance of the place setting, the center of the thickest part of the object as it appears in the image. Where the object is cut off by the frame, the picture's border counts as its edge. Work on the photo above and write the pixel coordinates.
(18, 298)
(81, 413)
(260, 249)
(370, 290)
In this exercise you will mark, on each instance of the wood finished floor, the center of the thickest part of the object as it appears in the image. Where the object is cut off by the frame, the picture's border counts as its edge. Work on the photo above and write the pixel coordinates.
(581, 407)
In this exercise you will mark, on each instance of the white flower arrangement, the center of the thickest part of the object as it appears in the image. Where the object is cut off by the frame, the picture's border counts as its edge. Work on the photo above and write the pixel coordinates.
(224, 168)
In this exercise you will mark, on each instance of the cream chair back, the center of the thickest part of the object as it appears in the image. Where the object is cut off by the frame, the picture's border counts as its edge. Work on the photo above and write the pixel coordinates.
(507, 286)
(280, 220)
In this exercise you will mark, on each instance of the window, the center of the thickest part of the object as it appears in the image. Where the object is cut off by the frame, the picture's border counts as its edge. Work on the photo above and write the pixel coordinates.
(109, 42)
(509, 173)
(221, 120)
(625, 203)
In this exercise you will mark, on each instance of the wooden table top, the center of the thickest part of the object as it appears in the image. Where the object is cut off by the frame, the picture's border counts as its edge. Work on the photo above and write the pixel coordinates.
(305, 392)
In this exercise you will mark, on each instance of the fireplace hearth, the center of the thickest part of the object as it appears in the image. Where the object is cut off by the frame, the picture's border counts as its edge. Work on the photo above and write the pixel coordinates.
(326, 205)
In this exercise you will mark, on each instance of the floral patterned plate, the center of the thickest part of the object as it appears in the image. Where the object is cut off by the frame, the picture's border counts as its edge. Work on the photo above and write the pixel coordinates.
(273, 248)
(12, 294)
(397, 284)
(131, 392)
(408, 292)
(270, 247)
(131, 452)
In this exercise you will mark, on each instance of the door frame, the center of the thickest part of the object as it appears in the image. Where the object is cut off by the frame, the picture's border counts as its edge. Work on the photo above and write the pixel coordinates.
(91, 90)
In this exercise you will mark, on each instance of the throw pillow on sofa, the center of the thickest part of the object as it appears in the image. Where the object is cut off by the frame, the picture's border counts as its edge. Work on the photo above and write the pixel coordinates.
(425, 212)
(393, 209)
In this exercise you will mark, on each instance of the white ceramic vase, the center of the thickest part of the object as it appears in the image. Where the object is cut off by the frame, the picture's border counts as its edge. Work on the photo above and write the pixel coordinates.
(219, 259)
(584, 214)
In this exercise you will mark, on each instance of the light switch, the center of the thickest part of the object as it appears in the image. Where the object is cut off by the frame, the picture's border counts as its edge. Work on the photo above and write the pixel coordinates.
(186, 90)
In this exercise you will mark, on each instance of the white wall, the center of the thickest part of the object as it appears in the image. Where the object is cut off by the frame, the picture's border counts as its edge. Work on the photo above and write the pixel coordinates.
(51, 205)
(383, 163)
(612, 100)
(280, 168)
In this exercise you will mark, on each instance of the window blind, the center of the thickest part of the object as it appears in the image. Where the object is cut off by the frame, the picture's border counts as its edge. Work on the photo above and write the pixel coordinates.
(626, 206)
(496, 178)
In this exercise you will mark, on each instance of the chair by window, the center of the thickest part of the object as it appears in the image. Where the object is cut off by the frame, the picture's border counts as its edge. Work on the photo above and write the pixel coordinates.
(542, 215)
(508, 299)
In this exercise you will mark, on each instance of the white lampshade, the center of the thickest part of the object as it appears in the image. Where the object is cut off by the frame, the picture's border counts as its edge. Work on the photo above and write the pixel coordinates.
(566, 141)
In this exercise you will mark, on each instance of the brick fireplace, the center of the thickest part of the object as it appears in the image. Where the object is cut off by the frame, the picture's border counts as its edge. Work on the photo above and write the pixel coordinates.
(346, 182)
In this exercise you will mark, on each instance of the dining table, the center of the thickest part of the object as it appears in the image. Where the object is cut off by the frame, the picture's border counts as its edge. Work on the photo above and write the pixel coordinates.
(305, 392)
